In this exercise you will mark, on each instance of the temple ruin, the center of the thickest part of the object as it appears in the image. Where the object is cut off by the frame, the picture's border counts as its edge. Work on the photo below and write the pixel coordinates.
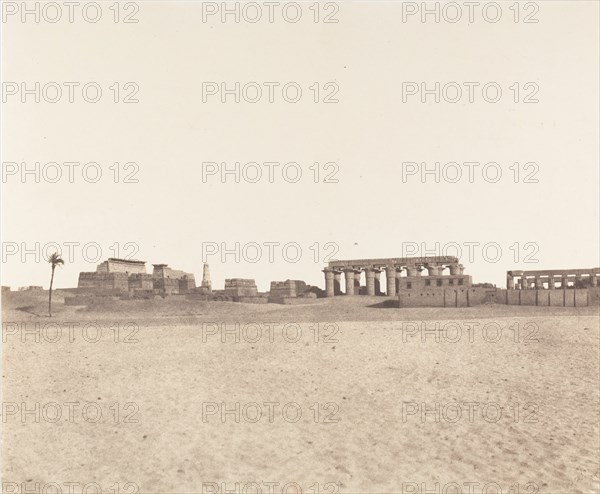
(291, 292)
(206, 283)
(423, 282)
(552, 287)
(552, 279)
(172, 281)
(401, 273)
(129, 276)
(438, 281)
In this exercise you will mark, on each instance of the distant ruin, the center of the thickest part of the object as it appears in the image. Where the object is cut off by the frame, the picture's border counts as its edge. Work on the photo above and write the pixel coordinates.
(206, 283)
(552, 279)
(31, 288)
(438, 281)
(395, 279)
(115, 276)
(425, 284)
(291, 292)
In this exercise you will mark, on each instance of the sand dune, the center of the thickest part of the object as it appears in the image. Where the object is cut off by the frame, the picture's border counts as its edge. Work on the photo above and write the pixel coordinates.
(339, 396)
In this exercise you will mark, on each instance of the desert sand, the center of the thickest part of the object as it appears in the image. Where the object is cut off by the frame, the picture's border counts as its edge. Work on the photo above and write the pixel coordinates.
(329, 399)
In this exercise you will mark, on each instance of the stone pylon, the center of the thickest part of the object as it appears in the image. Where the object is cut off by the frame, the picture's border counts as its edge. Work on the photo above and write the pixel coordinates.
(206, 278)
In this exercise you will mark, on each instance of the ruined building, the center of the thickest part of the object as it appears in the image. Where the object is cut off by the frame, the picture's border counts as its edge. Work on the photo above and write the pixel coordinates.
(441, 282)
(206, 285)
(169, 281)
(552, 279)
(555, 287)
(239, 289)
(290, 291)
(118, 276)
(400, 273)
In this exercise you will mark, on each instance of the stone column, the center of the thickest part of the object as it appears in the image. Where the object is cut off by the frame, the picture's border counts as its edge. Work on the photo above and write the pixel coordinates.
(538, 283)
(390, 274)
(370, 275)
(411, 271)
(349, 273)
(578, 281)
(454, 270)
(357, 274)
(206, 284)
(377, 281)
(593, 280)
(565, 281)
(398, 282)
(337, 282)
(510, 282)
(329, 285)
(524, 285)
(433, 270)
(551, 282)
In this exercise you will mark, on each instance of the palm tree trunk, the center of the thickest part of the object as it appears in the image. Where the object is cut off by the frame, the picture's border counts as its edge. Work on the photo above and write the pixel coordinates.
(50, 294)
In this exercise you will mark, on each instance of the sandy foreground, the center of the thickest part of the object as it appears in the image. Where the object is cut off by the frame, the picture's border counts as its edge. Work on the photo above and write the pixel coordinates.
(342, 396)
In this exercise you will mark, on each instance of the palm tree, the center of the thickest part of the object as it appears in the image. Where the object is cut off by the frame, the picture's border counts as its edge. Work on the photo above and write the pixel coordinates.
(55, 260)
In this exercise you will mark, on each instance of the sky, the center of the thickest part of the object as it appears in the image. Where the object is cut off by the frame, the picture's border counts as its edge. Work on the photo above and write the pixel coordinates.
(344, 115)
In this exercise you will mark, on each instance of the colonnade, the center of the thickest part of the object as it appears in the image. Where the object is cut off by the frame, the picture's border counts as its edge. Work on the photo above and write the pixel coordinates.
(352, 276)
(532, 280)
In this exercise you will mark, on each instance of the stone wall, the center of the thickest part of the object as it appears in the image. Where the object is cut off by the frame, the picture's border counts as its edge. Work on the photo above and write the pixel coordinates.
(166, 286)
(187, 283)
(473, 296)
(140, 281)
(446, 297)
(569, 297)
(172, 281)
(288, 289)
(104, 281)
(238, 287)
(113, 265)
(280, 289)
(429, 282)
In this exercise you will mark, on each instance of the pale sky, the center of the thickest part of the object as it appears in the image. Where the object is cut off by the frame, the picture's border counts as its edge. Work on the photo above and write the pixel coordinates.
(370, 212)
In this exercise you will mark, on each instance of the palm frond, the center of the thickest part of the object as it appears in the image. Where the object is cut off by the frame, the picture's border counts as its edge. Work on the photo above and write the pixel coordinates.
(55, 259)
